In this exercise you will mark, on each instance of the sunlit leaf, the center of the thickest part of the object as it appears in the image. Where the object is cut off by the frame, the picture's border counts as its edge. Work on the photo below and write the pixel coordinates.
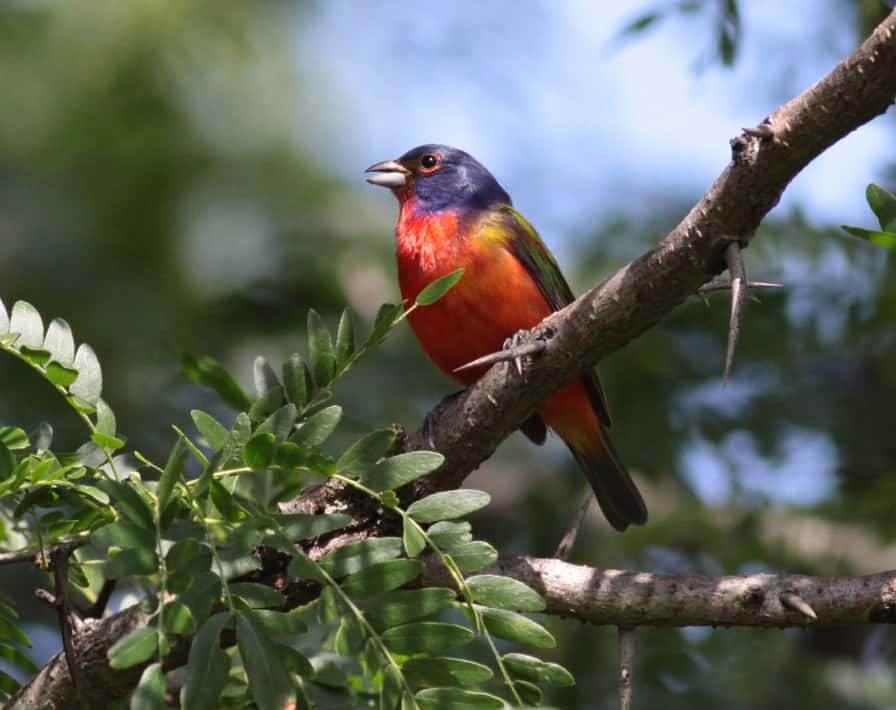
(399, 470)
(320, 349)
(438, 288)
(414, 542)
(516, 627)
(318, 427)
(214, 433)
(26, 321)
(426, 637)
(473, 556)
(137, 646)
(60, 342)
(445, 698)
(150, 691)
(432, 672)
(883, 204)
(280, 423)
(264, 376)
(89, 385)
(447, 505)
(536, 670)
(504, 593)
(177, 618)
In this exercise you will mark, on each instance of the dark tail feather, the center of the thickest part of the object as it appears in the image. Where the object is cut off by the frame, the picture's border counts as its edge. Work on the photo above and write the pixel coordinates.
(614, 489)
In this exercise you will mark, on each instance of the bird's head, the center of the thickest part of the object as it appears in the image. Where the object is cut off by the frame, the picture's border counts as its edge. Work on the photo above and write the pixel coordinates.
(435, 177)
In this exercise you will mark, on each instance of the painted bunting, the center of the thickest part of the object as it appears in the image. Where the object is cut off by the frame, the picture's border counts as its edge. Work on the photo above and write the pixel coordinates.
(454, 214)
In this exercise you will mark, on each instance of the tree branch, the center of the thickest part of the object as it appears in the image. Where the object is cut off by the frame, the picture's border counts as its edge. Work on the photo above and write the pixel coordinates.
(469, 428)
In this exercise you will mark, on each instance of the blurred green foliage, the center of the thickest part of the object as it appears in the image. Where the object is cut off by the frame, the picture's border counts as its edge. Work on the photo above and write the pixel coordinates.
(160, 189)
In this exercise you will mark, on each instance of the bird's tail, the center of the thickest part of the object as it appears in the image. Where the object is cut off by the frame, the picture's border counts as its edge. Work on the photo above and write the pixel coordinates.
(616, 493)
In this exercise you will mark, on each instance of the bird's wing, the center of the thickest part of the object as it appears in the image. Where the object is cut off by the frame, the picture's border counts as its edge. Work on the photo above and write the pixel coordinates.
(525, 244)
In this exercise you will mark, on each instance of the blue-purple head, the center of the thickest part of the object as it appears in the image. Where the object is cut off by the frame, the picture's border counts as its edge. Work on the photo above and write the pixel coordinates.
(439, 177)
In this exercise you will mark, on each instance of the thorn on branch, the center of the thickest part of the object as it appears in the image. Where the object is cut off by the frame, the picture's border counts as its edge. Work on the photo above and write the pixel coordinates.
(626, 666)
(569, 538)
(795, 602)
(59, 557)
(513, 352)
(763, 130)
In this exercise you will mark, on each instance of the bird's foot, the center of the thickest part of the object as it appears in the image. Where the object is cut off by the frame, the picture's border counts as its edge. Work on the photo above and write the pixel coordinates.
(740, 287)
(514, 349)
(428, 426)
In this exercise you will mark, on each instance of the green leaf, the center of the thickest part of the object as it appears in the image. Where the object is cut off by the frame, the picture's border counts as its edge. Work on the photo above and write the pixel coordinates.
(188, 556)
(257, 595)
(452, 698)
(301, 526)
(280, 423)
(105, 441)
(225, 502)
(177, 618)
(530, 693)
(364, 453)
(302, 567)
(26, 321)
(209, 372)
(431, 672)
(320, 349)
(350, 636)
(515, 627)
(414, 542)
(129, 503)
(381, 577)
(426, 637)
(125, 535)
(258, 453)
(537, 671)
(447, 505)
(396, 471)
(267, 404)
(345, 338)
(42, 436)
(10, 631)
(17, 658)
(328, 608)
(294, 661)
(382, 324)
(438, 288)
(214, 433)
(89, 384)
(473, 556)
(883, 204)
(296, 380)
(173, 473)
(269, 682)
(504, 593)
(14, 438)
(887, 240)
(356, 556)
(280, 623)
(318, 427)
(61, 375)
(132, 561)
(4, 319)
(207, 667)
(150, 691)
(105, 419)
(264, 376)
(137, 646)
(202, 595)
(401, 607)
(7, 462)
(60, 342)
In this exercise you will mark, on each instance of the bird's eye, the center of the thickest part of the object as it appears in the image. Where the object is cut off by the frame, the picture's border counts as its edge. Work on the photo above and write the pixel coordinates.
(429, 162)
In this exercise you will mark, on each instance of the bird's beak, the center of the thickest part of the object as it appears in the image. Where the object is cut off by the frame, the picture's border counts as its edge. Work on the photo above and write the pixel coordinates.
(389, 173)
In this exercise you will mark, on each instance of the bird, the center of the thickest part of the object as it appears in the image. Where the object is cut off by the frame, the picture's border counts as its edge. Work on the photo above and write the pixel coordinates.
(453, 214)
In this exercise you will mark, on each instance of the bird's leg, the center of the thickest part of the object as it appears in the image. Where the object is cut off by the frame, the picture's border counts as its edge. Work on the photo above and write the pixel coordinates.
(428, 426)
(514, 349)
(569, 538)
(740, 291)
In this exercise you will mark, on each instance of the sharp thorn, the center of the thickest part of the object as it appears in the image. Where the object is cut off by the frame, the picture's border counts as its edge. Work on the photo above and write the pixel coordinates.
(795, 602)
(734, 259)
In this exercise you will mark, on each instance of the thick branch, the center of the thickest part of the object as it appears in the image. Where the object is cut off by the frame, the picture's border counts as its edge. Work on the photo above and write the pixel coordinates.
(617, 598)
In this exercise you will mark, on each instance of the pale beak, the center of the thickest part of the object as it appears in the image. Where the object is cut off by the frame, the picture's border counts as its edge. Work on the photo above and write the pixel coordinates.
(389, 173)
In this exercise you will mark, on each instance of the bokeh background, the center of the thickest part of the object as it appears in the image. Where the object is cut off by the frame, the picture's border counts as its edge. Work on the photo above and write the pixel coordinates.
(186, 175)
